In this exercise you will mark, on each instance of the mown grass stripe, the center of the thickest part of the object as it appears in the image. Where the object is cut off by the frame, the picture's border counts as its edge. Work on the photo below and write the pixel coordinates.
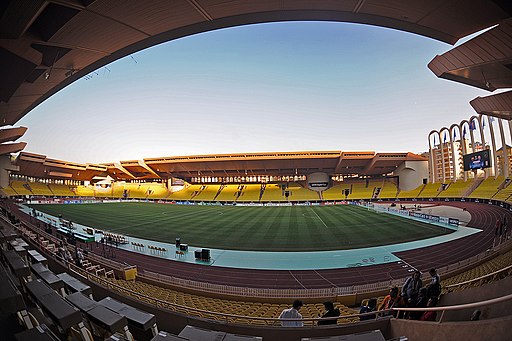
(250, 228)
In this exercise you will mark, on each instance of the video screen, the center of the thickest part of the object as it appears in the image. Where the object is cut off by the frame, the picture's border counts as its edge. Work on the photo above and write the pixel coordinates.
(478, 160)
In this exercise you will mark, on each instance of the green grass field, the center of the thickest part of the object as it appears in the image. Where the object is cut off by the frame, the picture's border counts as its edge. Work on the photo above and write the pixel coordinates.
(297, 228)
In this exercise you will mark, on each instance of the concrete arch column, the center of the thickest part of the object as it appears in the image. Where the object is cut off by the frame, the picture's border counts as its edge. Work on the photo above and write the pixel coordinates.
(463, 142)
(443, 144)
(492, 143)
(471, 132)
(477, 120)
(455, 159)
(506, 162)
(431, 154)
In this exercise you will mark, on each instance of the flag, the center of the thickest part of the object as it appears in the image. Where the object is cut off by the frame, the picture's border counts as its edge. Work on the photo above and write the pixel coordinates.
(483, 124)
(491, 119)
(444, 139)
(435, 140)
(454, 134)
(464, 131)
(472, 125)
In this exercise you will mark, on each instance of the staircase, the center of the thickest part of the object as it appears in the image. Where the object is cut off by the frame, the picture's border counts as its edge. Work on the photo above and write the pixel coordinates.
(473, 186)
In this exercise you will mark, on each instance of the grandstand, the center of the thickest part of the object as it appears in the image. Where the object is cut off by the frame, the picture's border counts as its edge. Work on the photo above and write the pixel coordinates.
(273, 192)
(61, 190)
(455, 189)
(504, 193)
(488, 188)
(387, 190)
(229, 193)
(21, 187)
(252, 193)
(430, 190)
(186, 193)
(411, 193)
(84, 191)
(496, 189)
(46, 46)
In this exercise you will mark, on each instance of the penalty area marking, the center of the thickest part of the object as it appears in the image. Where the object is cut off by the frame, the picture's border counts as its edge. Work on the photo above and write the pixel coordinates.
(318, 217)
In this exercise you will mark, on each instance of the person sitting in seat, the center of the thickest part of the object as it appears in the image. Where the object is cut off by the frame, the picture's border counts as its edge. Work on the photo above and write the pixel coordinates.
(421, 302)
(430, 315)
(330, 311)
(390, 301)
(292, 313)
(371, 306)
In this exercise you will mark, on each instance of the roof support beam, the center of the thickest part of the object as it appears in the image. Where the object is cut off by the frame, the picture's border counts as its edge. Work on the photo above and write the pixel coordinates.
(146, 167)
(124, 170)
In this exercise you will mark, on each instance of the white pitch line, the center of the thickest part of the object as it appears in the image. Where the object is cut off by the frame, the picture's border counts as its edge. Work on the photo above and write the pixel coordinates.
(318, 217)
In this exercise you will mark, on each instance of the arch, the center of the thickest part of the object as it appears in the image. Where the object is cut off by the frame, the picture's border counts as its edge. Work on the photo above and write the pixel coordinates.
(476, 120)
(463, 125)
(504, 146)
(492, 142)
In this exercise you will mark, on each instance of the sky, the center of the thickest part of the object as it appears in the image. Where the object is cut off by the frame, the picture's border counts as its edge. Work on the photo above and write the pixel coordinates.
(295, 86)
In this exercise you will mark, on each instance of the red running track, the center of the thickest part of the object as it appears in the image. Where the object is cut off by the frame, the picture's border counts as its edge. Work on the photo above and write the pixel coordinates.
(483, 216)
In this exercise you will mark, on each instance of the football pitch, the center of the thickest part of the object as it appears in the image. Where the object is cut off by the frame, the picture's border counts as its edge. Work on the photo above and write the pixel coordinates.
(290, 228)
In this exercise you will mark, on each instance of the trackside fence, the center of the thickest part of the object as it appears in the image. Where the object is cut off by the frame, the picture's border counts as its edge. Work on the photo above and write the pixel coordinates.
(307, 293)
(312, 293)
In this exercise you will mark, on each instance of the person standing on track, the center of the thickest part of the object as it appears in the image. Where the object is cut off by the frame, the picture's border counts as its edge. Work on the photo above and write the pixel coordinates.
(497, 233)
(505, 227)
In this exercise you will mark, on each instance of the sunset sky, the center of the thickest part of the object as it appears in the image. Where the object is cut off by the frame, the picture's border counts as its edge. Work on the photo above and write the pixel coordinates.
(258, 88)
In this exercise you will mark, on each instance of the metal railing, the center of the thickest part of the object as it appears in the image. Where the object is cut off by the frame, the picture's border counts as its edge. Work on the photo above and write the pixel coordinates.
(303, 293)
(482, 279)
(459, 307)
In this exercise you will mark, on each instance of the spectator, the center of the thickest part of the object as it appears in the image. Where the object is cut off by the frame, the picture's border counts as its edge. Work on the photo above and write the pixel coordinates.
(430, 315)
(421, 302)
(292, 313)
(79, 257)
(411, 288)
(497, 233)
(371, 306)
(506, 229)
(434, 288)
(391, 300)
(330, 311)
(61, 252)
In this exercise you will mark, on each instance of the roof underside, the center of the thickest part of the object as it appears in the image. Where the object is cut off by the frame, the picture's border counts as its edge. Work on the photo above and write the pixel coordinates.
(47, 45)
(484, 62)
(225, 165)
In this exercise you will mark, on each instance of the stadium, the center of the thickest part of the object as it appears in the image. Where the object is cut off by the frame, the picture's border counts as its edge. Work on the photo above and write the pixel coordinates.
(216, 246)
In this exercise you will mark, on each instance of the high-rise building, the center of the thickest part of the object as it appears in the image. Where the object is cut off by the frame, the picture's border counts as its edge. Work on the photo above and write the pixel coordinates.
(448, 165)
(501, 159)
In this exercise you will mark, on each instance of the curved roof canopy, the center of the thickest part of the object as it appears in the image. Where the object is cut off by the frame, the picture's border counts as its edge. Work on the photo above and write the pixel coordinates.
(47, 45)
(484, 62)
(365, 163)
